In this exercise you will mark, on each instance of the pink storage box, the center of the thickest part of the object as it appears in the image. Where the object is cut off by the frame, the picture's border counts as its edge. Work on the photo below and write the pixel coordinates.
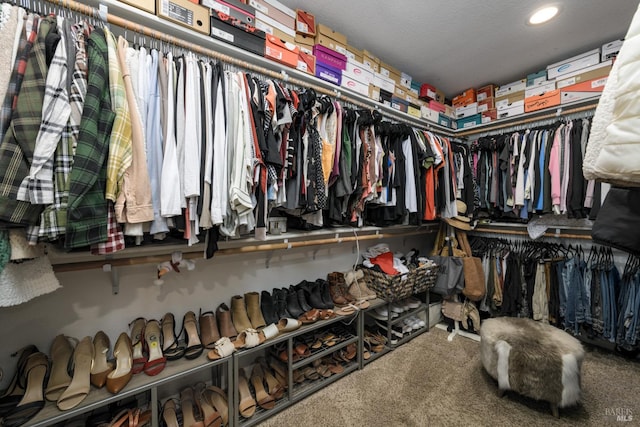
(437, 106)
(330, 57)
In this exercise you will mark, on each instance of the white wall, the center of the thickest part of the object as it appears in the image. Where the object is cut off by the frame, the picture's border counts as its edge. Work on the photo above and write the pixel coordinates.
(85, 304)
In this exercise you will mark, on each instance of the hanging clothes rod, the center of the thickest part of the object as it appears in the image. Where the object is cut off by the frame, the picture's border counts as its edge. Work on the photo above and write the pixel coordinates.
(155, 259)
(492, 129)
(525, 233)
(282, 76)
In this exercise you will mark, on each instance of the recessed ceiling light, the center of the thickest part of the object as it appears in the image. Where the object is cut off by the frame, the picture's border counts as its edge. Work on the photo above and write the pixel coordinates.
(543, 15)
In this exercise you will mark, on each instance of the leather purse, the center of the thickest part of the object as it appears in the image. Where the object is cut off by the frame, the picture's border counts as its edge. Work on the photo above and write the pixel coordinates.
(453, 310)
(475, 287)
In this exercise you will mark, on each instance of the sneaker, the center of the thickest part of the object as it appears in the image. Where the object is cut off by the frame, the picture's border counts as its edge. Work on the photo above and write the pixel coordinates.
(397, 308)
(379, 314)
(393, 330)
(413, 302)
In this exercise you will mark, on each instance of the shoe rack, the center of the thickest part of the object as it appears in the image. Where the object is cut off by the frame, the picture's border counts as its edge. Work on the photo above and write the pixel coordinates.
(139, 385)
(287, 343)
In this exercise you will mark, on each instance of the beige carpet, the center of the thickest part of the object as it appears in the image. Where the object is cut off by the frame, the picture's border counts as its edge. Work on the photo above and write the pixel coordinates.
(432, 382)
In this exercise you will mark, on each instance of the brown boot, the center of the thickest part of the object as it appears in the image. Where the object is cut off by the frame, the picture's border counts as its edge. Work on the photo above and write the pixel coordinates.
(338, 289)
(225, 325)
(239, 314)
(253, 310)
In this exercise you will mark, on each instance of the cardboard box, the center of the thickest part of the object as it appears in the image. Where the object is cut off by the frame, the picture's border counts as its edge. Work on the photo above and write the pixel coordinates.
(437, 106)
(449, 111)
(385, 97)
(233, 8)
(371, 61)
(427, 91)
(146, 5)
(506, 101)
(305, 23)
(541, 101)
(590, 73)
(242, 24)
(274, 13)
(511, 111)
(274, 24)
(429, 114)
(284, 9)
(329, 43)
(440, 96)
(328, 73)
(185, 13)
(405, 80)
(384, 83)
(574, 63)
(281, 51)
(415, 88)
(326, 31)
(374, 92)
(486, 104)
(359, 72)
(485, 92)
(354, 85)
(399, 104)
(610, 50)
(411, 98)
(283, 36)
(584, 90)
(301, 39)
(466, 111)
(252, 42)
(387, 70)
(306, 63)
(465, 98)
(517, 86)
(354, 54)
(469, 122)
(414, 111)
(305, 48)
(539, 89)
(489, 115)
(400, 91)
(568, 97)
(329, 57)
(537, 78)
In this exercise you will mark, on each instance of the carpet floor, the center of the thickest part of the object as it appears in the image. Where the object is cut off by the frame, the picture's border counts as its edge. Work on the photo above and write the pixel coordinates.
(433, 382)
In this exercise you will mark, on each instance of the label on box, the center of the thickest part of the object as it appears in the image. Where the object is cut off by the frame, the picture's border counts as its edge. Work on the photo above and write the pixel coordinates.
(341, 50)
(262, 8)
(273, 53)
(328, 76)
(302, 27)
(220, 8)
(264, 27)
(222, 34)
(599, 82)
(481, 96)
(482, 108)
(302, 66)
(177, 12)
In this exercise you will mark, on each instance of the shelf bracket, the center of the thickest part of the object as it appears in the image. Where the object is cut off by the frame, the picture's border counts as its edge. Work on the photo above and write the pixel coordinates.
(267, 260)
(115, 278)
(315, 252)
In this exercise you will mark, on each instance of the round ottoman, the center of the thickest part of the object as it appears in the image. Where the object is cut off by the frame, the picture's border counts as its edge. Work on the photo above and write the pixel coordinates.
(534, 359)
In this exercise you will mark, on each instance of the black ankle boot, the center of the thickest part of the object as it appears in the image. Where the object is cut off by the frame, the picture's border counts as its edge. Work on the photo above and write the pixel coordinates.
(325, 293)
(293, 305)
(268, 308)
(315, 297)
(302, 300)
(280, 301)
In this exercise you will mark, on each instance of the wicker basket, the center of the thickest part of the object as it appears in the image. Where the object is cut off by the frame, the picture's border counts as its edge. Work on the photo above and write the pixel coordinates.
(396, 287)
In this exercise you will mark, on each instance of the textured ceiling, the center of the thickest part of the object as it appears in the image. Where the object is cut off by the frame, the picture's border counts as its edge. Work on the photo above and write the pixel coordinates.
(456, 44)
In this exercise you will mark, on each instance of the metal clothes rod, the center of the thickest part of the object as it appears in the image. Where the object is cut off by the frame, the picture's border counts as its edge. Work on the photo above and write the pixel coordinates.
(139, 260)
(524, 233)
(163, 37)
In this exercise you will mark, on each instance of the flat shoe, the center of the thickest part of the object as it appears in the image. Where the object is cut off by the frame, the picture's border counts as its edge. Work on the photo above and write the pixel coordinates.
(249, 338)
(288, 324)
(222, 348)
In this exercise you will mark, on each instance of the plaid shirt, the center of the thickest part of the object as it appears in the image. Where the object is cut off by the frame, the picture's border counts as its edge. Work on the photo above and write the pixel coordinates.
(37, 187)
(53, 220)
(120, 151)
(16, 150)
(87, 211)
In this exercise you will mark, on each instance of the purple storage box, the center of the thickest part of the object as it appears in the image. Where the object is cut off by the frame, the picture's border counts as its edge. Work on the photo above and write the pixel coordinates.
(330, 57)
(328, 73)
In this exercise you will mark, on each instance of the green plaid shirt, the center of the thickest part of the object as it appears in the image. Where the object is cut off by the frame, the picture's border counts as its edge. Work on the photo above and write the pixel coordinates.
(87, 211)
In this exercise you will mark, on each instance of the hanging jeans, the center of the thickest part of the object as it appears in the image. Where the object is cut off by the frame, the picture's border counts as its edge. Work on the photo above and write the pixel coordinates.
(573, 283)
(627, 321)
(562, 290)
(598, 284)
(609, 282)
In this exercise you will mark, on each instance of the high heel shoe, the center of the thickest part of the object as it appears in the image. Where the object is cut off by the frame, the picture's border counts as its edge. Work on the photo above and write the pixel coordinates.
(194, 345)
(100, 367)
(208, 329)
(210, 415)
(80, 383)
(264, 399)
(170, 413)
(190, 416)
(152, 338)
(15, 391)
(35, 371)
(137, 338)
(131, 418)
(120, 376)
(59, 379)
(274, 388)
(171, 347)
(247, 405)
(217, 398)
(225, 323)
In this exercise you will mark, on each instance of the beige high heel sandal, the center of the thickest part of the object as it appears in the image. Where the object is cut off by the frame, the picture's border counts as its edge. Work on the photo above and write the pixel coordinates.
(59, 379)
(80, 383)
(217, 398)
(101, 367)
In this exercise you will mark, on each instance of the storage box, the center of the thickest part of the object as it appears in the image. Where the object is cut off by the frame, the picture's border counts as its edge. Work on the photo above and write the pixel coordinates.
(581, 91)
(350, 83)
(233, 8)
(405, 80)
(444, 120)
(574, 63)
(354, 54)
(185, 13)
(539, 89)
(252, 42)
(469, 122)
(146, 5)
(541, 101)
(371, 61)
(485, 92)
(414, 110)
(387, 70)
(270, 22)
(517, 86)
(437, 106)
(512, 111)
(568, 97)
(326, 31)
(486, 104)
(489, 115)
(400, 91)
(277, 225)
(329, 43)
(274, 13)
(586, 74)
(610, 50)
(429, 114)
(306, 63)
(281, 51)
(328, 73)
(427, 92)
(374, 92)
(383, 82)
(415, 88)
(465, 98)
(242, 24)
(359, 72)
(510, 100)
(440, 96)
(466, 111)
(329, 57)
(399, 104)
(537, 78)
(385, 97)
(305, 23)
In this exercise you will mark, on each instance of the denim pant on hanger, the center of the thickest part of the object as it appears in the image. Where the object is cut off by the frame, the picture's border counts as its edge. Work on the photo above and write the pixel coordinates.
(608, 282)
(574, 288)
(632, 315)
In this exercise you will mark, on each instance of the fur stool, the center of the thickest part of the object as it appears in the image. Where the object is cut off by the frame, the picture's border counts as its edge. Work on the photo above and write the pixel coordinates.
(534, 359)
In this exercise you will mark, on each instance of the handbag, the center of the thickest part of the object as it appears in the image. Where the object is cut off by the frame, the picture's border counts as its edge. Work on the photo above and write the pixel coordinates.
(618, 223)
(453, 310)
(474, 284)
(450, 279)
